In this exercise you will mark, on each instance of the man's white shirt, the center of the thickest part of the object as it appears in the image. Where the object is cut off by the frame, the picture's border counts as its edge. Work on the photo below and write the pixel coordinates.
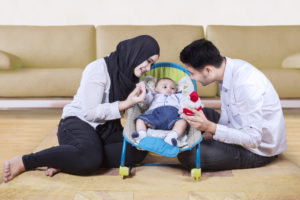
(251, 113)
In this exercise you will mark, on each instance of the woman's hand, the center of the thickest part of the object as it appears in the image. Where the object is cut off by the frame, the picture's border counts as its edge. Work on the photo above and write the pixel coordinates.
(136, 96)
(200, 122)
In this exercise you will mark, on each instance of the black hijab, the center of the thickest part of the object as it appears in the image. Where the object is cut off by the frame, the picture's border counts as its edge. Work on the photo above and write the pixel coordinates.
(121, 63)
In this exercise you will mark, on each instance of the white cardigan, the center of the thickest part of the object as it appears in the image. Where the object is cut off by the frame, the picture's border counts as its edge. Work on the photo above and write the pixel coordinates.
(91, 102)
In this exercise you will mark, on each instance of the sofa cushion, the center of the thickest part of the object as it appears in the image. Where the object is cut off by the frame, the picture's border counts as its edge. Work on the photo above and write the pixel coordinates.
(292, 62)
(50, 46)
(171, 38)
(29, 82)
(210, 90)
(285, 81)
(263, 46)
(9, 61)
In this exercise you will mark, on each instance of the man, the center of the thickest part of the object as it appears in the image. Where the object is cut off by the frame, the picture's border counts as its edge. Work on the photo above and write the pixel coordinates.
(250, 131)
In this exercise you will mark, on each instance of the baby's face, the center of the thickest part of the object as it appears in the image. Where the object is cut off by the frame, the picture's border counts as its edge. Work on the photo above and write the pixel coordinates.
(166, 86)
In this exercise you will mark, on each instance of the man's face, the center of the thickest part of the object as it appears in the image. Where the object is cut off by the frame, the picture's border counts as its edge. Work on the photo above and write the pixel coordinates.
(204, 76)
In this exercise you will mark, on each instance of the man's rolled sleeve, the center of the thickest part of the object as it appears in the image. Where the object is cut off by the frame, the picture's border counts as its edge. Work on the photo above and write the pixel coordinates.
(221, 133)
(246, 137)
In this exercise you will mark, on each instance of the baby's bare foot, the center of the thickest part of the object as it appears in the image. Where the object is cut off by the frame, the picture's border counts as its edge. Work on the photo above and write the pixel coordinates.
(13, 168)
(51, 171)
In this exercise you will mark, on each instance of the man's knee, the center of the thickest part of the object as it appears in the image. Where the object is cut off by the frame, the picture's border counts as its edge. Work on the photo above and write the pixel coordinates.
(134, 156)
(188, 158)
(211, 114)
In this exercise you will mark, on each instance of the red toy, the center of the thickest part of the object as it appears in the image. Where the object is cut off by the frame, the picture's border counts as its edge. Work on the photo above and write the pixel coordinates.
(192, 102)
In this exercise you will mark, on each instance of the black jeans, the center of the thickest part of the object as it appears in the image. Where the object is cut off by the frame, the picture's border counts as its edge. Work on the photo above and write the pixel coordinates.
(221, 156)
(81, 150)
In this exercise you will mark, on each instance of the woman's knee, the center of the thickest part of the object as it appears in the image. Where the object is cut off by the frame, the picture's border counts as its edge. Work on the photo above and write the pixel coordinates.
(88, 162)
(93, 164)
(88, 165)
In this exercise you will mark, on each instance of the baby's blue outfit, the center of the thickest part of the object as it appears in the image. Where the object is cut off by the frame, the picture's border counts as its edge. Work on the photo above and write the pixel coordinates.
(163, 110)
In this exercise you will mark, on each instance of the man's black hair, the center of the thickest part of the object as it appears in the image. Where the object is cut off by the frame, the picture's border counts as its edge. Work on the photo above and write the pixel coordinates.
(200, 53)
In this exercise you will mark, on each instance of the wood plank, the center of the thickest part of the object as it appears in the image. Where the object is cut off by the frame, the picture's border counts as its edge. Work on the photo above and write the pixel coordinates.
(23, 131)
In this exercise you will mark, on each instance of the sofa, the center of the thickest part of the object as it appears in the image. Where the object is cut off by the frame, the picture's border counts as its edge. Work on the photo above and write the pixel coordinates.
(52, 59)
(269, 48)
(47, 61)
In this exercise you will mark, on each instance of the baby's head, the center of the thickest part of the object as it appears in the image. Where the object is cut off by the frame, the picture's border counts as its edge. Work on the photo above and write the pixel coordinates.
(165, 86)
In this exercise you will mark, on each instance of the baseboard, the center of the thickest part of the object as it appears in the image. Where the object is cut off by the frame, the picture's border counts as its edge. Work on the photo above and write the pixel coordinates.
(48, 103)
(33, 103)
(285, 103)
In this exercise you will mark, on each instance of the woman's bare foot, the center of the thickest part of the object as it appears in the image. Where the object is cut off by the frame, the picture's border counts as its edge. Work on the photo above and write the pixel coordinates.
(51, 171)
(13, 168)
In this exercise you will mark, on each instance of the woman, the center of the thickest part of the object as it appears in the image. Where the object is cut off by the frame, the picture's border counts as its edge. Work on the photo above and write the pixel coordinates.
(90, 131)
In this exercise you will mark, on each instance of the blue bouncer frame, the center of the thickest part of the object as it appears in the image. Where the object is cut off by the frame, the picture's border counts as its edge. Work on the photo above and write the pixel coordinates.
(197, 144)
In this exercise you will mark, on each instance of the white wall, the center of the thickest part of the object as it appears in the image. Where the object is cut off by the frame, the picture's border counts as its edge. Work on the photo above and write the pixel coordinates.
(193, 12)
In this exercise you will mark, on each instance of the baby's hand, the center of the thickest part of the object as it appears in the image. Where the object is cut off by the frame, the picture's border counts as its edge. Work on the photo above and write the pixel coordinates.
(141, 85)
(136, 96)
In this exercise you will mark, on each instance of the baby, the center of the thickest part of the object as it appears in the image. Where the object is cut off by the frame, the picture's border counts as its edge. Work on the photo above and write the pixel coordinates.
(162, 113)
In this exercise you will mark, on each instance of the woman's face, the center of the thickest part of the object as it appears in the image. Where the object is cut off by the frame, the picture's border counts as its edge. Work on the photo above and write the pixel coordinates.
(145, 66)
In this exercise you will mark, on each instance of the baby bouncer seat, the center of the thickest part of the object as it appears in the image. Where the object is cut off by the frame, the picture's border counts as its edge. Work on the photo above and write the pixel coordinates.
(156, 145)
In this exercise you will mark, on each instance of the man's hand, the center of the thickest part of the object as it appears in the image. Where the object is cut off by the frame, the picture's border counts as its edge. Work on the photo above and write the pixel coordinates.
(200, 122)
(207, 136)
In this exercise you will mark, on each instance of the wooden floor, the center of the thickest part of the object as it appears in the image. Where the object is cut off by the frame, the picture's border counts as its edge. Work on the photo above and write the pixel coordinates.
(23, 132)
